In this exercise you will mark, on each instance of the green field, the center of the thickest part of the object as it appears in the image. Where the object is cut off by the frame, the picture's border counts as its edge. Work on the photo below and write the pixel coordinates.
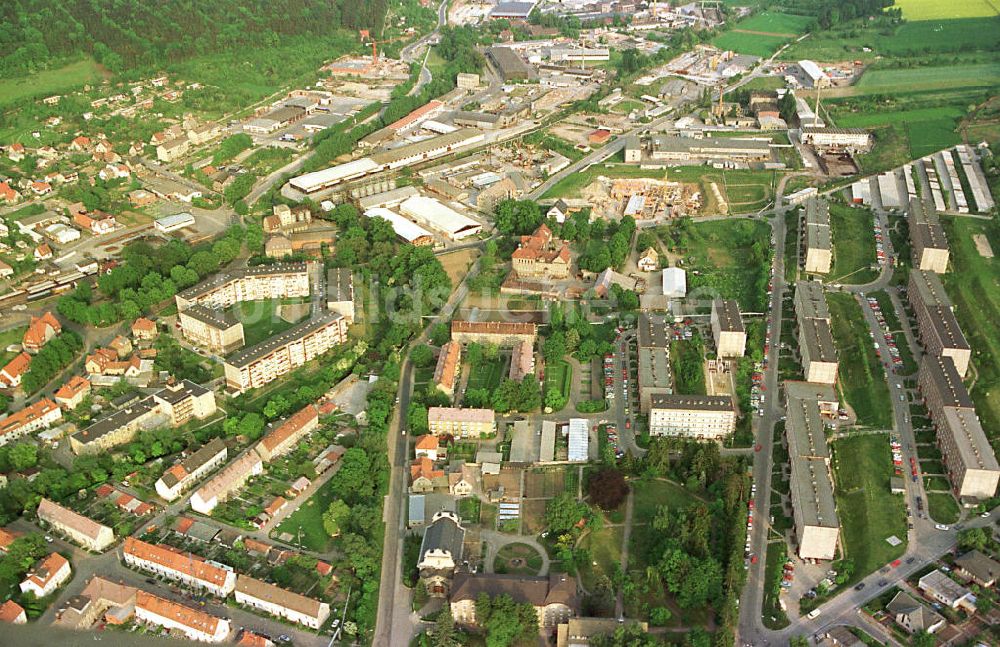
(306, 523)
(773, 29)
(974, 75)
(260, 320)
(49, 82)
(942, 507)
(860, 374)
(927, 130)
(559, 377)
(974, 288)
(853, 245)
(917, 10)
(862, 466)
(605, 549)
(488, 375)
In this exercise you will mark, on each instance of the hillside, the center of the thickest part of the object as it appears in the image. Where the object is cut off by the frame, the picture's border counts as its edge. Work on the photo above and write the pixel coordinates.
(127, 34)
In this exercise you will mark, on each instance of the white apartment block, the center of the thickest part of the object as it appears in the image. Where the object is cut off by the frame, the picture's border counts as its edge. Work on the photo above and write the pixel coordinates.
(727, 328)
(463, 423)
(259, 283)
(703, 417)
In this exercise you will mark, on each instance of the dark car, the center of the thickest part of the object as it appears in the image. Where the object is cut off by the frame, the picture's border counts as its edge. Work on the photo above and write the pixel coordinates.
(860, 586)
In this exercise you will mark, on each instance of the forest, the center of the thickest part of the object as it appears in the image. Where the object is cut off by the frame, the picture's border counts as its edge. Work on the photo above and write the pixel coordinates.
(129, 34)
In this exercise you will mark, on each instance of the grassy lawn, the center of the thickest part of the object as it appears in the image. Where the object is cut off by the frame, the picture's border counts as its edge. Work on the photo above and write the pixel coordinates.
(773, 617)
(605, 548)
(517, 559)
(926, 130)
(487, 375)
(887, 81)
(853, 245)
(8, 337)
(49, 82)
(686, 362)
(559, 377)
(974, 288)
(725, 258)
(861, 376)
(862, 466)
(942, 507)
(260, 320)
(309, 520)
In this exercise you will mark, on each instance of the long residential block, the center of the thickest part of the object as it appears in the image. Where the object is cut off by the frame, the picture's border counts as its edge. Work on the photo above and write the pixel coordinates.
(282, 438)
(727, 328)
(226, 482)
(215, 330)
(279, 602)
(927, 239)
(39, 415)
(192, 623)
(499, 333)
(463, 423)
(702, 417)
(936, 322)
(279, 281)
(817, 527)
(179, 566)
(82, 530)
(258, 365)
(819, 241)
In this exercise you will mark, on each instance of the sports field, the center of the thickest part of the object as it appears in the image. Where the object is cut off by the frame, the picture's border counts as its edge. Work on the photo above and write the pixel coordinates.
(762, 34)
(918, 10)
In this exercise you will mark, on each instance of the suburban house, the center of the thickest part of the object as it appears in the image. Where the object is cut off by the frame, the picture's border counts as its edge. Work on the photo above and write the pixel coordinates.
(11, 374)
(978, 567)
(423, 476)
(70, 395)
(12, 613)
(912, 615)
(938, 586)
(427, 445)
(184, 474)
(40, 331)
(649, 260)
(143, 329)
(47, 576)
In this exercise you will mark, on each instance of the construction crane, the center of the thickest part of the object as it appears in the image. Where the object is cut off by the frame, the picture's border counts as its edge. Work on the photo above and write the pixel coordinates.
(365, 35)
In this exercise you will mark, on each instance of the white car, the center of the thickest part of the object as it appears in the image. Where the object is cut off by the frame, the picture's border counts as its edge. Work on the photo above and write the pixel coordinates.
(985, 515)
(941, 526)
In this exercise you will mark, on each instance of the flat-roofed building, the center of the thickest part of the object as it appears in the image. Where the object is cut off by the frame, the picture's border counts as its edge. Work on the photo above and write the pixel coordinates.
(941, 386)
(226, 482)
(967, 454)
(938, 586)
(258, 283)
(819, 242)
(655, 377)
(446, 370)
(509, 64)
(702, 417)
(461, 423)
(936, 322)
(810, 302)
(727, 328)
(498, 333)
(817, 528)
(187, 568)
(80, 529)
(283, 438)
(192, 623)
(578, 632)
(215, 330)
(406, 230)
(168, 224)
(927, 239)
(671, 148)
(428, 149)
(279, 602)
(258, 365)
(186, 473)
(340, 292)
(838, 139)
(819, 353)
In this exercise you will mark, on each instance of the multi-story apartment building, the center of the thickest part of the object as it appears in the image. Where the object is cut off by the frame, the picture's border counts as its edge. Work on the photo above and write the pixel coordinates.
(282, 438)
(187, 568)
(184, 474)
(215, 330)
(816, 346)
(340, 292)
(463, 423)
(258, 283)
(655, 376)
(817, 528)
(966, 452)
(540, 256)
(819, 242)
(703, 417)
(498, 333)
(192, 623)
(40, 415)
(258, 365)
(173, 405)
(86, 532)
(927, 239)
(226, 482)
(70, 395)
(936, 322)
(279, 602)
(727, 328)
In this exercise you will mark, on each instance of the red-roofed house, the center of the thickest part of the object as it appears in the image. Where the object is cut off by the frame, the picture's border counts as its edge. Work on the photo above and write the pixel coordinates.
(7, 538)
(11, 374)
(40, 331)
(281, 439)
(7, 194)
(540, 256)
(47, 576)
(250, 639)
(12, 613)
(70, 395)
(15, 152)
(144, 329)
(96, 223)
(43, 252)
(41, 188)
(599, 137)
(194, 624)
(39, 415)
(176, 565)
(423, 476)
(79, 143)
(427, 445)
